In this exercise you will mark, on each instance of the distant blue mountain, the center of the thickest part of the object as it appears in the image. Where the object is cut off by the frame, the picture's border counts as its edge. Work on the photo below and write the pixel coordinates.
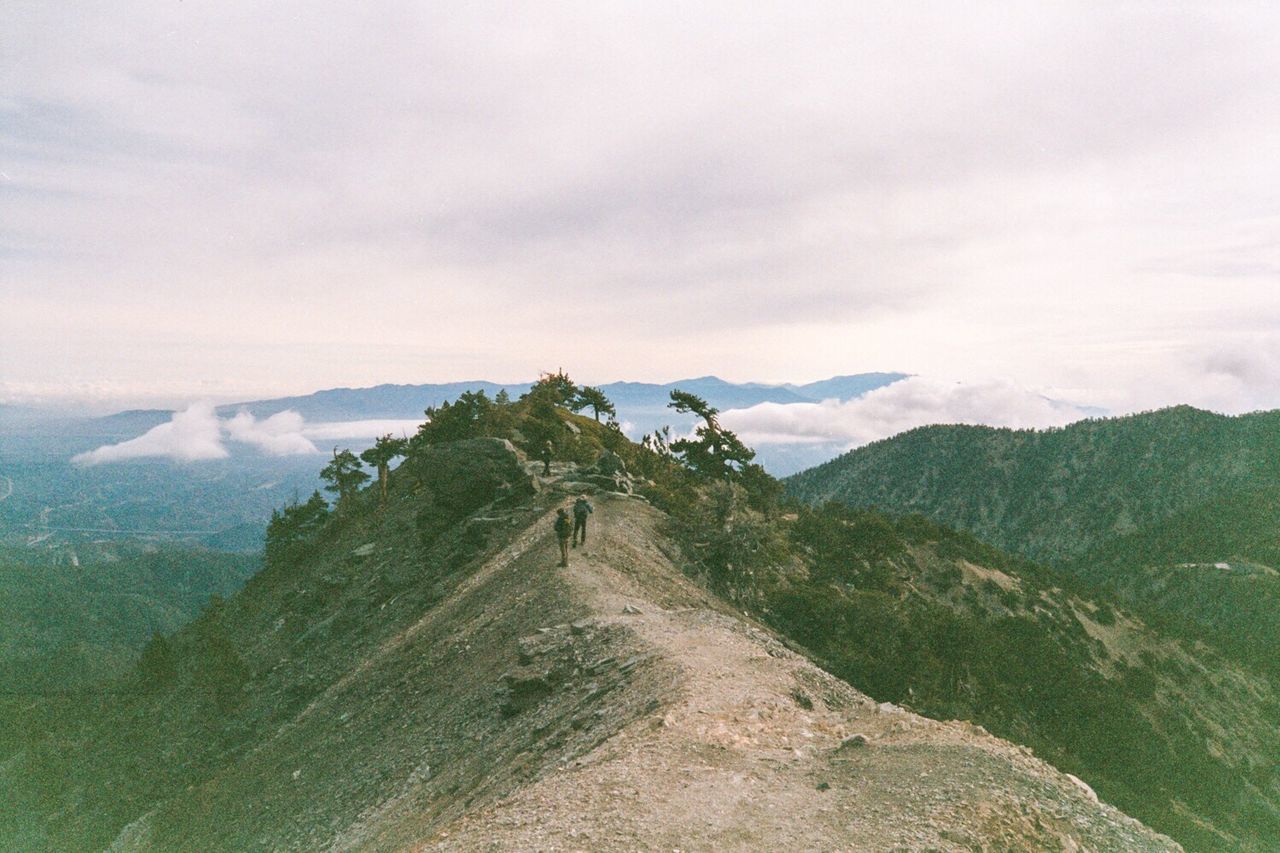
(716, 391)
(636, 401)
(224, 503)
(380, 401)
(846, 387)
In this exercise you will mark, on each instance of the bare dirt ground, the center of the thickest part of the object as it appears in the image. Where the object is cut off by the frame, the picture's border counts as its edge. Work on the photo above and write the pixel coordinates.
(748, 746)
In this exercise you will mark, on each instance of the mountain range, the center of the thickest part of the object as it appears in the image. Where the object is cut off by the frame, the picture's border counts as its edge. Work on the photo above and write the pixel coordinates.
(416, 671)
(636, 401)
(225, 503)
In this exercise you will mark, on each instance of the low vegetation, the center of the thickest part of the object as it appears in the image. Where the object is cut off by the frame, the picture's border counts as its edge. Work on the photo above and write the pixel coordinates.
(905, 609)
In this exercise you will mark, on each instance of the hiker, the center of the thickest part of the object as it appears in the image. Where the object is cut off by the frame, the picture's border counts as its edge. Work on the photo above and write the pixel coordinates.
(546, 458)
(581, 509)
(562, 534)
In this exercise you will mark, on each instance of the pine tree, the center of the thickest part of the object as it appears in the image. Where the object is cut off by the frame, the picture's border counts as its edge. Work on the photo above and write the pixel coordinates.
(380, 455)
(344, 476)
(715, 452)
(595, 399)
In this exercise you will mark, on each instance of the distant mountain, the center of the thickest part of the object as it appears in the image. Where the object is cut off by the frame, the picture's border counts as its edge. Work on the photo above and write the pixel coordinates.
(121, 425)
(718, 392)
(638, 402)
(846, 387)
(1056, 495)
(643, 406)
(380, 401)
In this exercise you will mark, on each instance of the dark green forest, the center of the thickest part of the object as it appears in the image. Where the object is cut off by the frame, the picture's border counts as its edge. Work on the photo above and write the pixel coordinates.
(73, 626)
(1056, 495)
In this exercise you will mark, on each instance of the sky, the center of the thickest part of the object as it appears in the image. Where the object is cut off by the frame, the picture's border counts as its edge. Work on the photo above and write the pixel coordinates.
(222, 201)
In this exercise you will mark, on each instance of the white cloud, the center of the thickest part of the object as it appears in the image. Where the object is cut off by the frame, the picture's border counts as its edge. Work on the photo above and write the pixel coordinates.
(192, 435)
(278, 435)
(334, 430)
(198, 433)
(913, 402)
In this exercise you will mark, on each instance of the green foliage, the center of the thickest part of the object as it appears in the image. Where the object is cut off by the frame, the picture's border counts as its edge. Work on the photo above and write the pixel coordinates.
(158, 663)
(594, 399)
(293, 528)
(556, 389)
(380, 456)
(220, 673)
(1030, 676)
(847, 545)
(73, 627)
(344, 476)
(738, 547)
(472, 415)
(715, 452)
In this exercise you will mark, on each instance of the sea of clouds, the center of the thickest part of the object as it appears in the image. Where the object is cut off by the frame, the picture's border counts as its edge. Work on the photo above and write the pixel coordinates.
(884, 412)
(198, 433)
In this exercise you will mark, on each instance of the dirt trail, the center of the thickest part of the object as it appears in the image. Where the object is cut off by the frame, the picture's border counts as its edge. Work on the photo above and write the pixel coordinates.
(752, 747)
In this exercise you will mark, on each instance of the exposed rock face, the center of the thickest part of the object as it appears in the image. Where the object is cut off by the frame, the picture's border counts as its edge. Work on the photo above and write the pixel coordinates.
(608, 473)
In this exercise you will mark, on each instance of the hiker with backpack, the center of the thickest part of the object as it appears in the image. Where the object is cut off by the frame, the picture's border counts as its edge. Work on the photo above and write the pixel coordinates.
(562, 534)
(581, 509)
(546, 458)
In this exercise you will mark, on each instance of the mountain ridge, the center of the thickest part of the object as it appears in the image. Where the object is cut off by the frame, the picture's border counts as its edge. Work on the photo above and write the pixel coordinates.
(1055, 494)
(424, 676)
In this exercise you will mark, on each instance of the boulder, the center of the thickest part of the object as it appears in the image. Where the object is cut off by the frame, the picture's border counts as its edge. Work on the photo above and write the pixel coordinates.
(855, 741)
(577, 487)
(609, 464)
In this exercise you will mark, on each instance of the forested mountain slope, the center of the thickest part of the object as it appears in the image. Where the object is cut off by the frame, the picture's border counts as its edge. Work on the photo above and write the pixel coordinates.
(76, 618)
(1055, 495)
(400, 681)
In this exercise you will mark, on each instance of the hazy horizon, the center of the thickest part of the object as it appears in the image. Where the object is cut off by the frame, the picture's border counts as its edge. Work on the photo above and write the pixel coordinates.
(224, 202)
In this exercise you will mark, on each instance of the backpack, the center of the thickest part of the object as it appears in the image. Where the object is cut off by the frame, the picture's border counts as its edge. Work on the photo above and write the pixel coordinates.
(562, 526)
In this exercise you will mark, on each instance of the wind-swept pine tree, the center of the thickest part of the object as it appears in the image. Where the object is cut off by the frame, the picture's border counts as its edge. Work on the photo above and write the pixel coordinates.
(380, 455)
(595, 399)
(715, 452)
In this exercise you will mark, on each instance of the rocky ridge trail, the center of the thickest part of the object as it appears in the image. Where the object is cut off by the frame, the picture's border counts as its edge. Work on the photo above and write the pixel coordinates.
(744, 744)
(502, 703)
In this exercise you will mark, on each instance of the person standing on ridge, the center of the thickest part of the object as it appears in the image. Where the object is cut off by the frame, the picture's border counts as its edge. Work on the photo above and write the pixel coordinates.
(562, 534)
(581, 509)
(546, 458)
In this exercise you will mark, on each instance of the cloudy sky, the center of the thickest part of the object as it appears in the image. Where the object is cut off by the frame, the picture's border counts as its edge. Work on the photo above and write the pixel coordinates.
(229, 200)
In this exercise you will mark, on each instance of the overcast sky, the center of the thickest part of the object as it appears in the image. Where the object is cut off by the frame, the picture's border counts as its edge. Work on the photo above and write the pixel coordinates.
(233, 200)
